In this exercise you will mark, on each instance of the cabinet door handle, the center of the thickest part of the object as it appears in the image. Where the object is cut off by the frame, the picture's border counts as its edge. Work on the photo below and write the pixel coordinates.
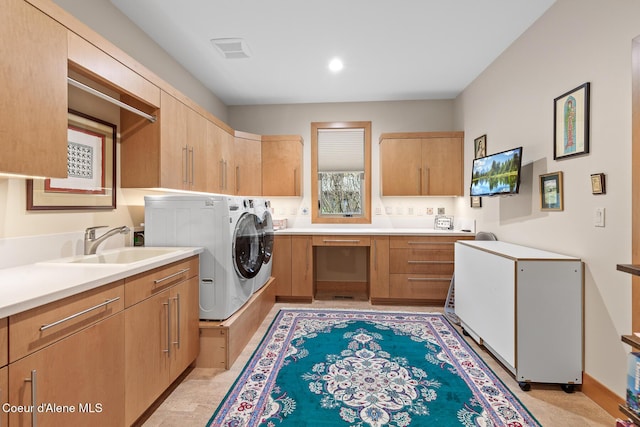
(341, 241)
(426, 279)
(237, 179)
(221, 180)
(34, 401)
(168, 349)
(185, 164)
(295, 182)
(419, 180)
(171, 276)
(177, 342)
(225, 175)
(80, 313)
(192, 165)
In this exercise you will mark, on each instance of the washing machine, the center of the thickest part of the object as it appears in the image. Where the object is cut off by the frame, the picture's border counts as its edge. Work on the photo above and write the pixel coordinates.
(263, 212)
(227, 229)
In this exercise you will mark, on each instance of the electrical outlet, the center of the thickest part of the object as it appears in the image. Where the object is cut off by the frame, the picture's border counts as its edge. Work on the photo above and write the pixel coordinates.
(429, 211)
(598, 217)
(440, 211)
(410, 210)
(378, 211)
(388, 210)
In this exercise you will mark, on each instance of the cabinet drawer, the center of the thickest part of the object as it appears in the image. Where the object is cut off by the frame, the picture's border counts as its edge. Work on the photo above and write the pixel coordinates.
(425, 242)
(37, 328)
(4, 342)
(341, 240)
(421, 261)
(144, 285)
(425, 286)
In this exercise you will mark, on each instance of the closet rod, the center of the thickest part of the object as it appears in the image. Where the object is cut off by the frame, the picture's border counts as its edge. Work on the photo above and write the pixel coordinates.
(119, 103)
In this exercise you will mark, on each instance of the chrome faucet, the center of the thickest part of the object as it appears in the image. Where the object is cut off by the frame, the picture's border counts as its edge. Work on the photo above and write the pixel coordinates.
(91, 243)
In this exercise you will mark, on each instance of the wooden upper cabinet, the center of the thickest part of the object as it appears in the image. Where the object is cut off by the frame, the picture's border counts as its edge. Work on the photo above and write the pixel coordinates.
(422, 164)
(282, 165)
(220, 159)
(248, 164)
(34, 101)
(169, 153)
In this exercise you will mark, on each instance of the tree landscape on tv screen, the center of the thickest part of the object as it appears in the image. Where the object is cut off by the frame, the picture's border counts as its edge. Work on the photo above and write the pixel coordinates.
(496, 174)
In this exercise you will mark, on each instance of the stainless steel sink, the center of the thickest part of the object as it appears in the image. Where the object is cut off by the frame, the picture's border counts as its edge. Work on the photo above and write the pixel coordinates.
(120, 256)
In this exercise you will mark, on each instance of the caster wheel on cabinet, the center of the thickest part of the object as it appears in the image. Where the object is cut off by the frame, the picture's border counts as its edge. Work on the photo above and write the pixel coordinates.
(524, 386)
(568, 388)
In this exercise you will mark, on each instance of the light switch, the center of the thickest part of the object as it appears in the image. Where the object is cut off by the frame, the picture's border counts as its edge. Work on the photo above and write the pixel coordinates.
(598, 217)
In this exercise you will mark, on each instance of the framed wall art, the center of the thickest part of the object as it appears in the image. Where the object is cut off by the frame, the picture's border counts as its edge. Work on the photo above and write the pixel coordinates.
(480, 146)
(598, 184)
(91, 169)
(571, 123)
(551, 192)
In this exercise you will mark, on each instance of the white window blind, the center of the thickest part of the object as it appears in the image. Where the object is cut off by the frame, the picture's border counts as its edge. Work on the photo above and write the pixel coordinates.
(340, 150)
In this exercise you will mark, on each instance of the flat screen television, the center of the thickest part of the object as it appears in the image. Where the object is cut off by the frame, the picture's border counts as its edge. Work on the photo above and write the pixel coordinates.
(497, 174)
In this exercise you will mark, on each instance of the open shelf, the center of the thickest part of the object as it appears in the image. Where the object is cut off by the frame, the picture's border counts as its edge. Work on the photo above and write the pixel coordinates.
(632, 340)
(629, 268)
(629, 413)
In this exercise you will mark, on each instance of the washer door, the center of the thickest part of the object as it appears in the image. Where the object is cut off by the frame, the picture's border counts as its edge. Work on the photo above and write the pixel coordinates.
(266, 226)
(247, 248)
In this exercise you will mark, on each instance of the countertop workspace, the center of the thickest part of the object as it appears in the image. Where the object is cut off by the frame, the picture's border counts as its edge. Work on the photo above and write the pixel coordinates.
(32, 285)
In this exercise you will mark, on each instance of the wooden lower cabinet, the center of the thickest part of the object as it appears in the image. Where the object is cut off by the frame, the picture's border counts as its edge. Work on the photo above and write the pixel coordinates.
(293, 267)
(281, 268)
(4, 395)
(161, 340)
(301, 266)
(379, 268)
(75, 381)
(4, 342)
(421, 267)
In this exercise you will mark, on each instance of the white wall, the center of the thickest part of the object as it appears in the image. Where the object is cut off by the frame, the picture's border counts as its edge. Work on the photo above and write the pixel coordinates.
(576, 41)
(394, 116)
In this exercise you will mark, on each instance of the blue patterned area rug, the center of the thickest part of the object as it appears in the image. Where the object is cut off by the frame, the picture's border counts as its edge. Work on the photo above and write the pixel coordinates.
(367, 369)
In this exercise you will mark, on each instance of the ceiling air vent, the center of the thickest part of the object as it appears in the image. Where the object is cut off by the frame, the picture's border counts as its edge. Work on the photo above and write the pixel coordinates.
(232, 48)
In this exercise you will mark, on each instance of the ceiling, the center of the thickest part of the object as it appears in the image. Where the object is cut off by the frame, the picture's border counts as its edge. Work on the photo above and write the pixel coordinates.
(392, 50)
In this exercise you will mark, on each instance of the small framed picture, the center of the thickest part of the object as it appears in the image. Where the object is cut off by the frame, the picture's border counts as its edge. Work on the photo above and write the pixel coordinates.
(597, 184)
(476, 201)
(480, 146)
(571, 123)
(551, 192)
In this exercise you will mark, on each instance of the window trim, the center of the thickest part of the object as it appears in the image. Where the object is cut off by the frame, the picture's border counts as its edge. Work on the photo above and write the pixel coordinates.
(365, 218)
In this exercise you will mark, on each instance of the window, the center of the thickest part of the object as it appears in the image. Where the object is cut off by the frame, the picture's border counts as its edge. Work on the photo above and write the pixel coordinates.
(340, 170)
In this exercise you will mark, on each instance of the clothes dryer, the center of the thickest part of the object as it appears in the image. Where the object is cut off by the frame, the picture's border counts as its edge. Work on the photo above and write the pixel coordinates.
(227, 229)
(265, 225)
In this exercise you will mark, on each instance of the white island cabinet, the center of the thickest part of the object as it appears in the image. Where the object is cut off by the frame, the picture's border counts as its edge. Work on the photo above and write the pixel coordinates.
(525, 306)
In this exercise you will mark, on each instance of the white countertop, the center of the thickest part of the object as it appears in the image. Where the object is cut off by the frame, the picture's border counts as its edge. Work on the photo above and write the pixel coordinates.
(374, 231)
(516, 252)
(32, 285)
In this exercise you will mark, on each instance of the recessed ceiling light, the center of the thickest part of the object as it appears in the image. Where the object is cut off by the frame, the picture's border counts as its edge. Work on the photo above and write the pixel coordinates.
(336, 65)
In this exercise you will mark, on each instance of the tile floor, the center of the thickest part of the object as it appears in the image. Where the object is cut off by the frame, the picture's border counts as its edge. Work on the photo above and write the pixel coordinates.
(195, 399)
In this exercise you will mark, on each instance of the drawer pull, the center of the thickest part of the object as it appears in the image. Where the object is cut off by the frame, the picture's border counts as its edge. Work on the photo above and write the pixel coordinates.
(341, 241)
(427, 279)
(80, 313)
(430, 243)
(171, 276)
(429, 262)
